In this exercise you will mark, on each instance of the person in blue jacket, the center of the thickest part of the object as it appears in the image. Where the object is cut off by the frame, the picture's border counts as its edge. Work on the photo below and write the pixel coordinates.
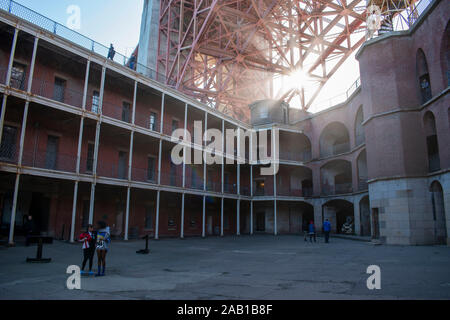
(326, 230)
(103, 242)
(312, 231)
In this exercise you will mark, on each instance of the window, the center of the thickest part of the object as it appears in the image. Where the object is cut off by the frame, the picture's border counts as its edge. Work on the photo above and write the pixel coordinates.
(149, 215)
(90, 158)
(174, 125)
(95, 101)
(285, 117)
(126, 112)
(193, 222)
(423, 76)
(152, 121)
(18, 76)
(171, 223)
(122, 170)
(151, 169)
(264, 112)
(59, 89)
(8, 146)
(52, 152)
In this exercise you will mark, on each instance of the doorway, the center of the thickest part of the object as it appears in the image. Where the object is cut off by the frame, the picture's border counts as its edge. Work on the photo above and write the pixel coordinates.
(261, 222)
(40, 211)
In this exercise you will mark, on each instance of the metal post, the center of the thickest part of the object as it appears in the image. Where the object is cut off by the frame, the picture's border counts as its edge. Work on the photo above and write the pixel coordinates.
(130, 158)
(184, 148)
(223, 154)
(133, 116)
(86, 84)
(80, 143)
(74, 210)
(162, 112)
(204, 217)
(2, 115)
(23, 131)
(11, 57)
(182, 217)
(13, 210)
(203, 158)
(91, 203)
(158, 195)
(33, 62)
(159, 161)
(238, 219)
(251, 217)
(221, 218)
(127, 214)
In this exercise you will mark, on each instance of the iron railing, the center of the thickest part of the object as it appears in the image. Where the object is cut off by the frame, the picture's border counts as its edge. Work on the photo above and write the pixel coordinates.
(56, 28)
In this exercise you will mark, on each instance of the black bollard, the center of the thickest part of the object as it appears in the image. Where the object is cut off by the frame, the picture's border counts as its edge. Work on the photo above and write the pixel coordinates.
(40, 242)
(146, 250)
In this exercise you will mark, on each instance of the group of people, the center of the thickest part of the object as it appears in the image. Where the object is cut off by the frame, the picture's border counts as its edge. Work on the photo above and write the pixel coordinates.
(95, 241)
(310, 229)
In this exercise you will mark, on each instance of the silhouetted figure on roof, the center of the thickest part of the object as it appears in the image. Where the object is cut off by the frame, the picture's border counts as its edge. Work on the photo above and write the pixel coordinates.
(111, 52)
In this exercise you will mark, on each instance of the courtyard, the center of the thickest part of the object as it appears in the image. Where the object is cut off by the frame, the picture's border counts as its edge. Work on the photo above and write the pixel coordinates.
(260, 267)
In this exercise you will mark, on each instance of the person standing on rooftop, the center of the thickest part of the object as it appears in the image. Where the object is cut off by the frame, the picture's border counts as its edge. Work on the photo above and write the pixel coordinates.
(111, 52)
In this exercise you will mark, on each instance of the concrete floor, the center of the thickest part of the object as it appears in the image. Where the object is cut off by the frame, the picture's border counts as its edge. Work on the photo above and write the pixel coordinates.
(256, 267)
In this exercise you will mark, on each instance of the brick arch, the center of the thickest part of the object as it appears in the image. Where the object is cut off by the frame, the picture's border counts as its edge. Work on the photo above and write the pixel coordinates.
(334, 139)
(423, 77)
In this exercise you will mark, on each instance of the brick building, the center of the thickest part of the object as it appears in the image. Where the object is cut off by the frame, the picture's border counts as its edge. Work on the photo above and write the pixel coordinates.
(85, 138)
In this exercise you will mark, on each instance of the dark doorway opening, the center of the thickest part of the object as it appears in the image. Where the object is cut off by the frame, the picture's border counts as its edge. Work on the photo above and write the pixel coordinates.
(261, 222)
(40, 211)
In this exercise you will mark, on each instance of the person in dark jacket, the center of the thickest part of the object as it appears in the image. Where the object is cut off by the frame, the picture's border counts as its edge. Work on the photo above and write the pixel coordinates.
(326, 230)
(312, 231)
(89, 240)
(111, 52)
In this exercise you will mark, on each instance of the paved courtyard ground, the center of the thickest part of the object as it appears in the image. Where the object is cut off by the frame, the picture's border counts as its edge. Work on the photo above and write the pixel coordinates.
(246, 267)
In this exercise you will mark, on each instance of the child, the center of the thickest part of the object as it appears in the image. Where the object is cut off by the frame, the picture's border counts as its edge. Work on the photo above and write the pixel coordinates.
(103, 241)
(89, 240)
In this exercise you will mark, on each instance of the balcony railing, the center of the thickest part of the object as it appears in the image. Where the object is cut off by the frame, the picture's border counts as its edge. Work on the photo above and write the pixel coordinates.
(295, 156)
(54, 27)
(50, 161)
(112, 170)
(340, 188)
(48, 90)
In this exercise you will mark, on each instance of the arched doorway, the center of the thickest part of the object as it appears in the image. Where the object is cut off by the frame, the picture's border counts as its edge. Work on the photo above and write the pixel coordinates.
(334, 140)
(437, 202)
(364, 216)
(341, 215)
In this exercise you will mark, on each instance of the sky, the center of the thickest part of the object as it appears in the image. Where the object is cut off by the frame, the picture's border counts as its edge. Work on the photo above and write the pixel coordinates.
(119, 22)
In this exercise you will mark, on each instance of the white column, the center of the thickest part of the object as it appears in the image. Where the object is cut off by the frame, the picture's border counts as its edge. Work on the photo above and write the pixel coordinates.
(204, 217)
(159, 161)
(238, 168)
(223, 153)
(23, 131)
(13, 210)
(251, 217)
(238, 218)
(158, 195)
(182, 217)
(102, 90)
(130, 157)
(11, 57)
(203, 158)
(162, 112)
(91, 204)
(221, 218)
(33, 62)
(2, 115)
(184, 148)
(275, 228)
(127, 214)
(86, 84)
(133, 116)
(80, 143)
(74, 210)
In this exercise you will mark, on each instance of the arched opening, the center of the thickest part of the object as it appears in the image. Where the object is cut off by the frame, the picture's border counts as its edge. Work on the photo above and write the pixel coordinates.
(361, 163)
(364, 217)
(359, 129)
(445, 56)
(292, 216)
(334, 140)
(429, 124)
(341, 216)
(423, 76)
(437, 201)
(336, 177)
(295, 146)
(294, 181)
